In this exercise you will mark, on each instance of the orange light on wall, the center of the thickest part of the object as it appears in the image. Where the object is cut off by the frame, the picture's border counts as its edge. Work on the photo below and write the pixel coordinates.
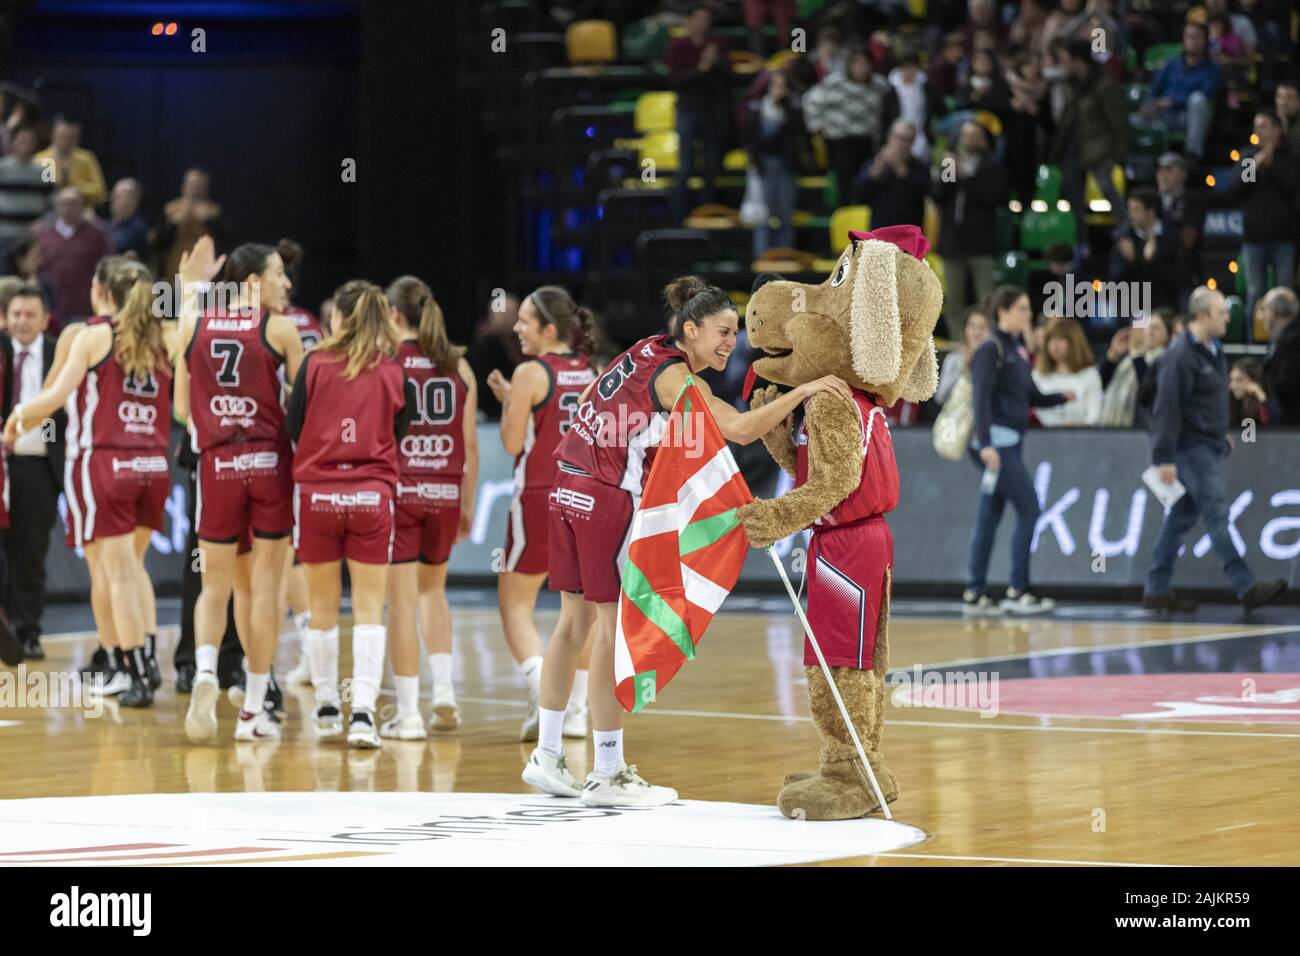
(1209, 181)
(1096, 285)
(1232, 266)
(1235, 156)
(1254, 139)
(1211, 284)
(156, 29)
(171, 29)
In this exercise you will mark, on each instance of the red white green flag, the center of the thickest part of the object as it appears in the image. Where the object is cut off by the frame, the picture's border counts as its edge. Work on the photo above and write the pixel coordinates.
(685, 552)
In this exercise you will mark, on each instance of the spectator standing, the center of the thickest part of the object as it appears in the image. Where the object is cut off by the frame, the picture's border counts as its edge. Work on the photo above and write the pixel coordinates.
(700, 72)
(1147, 252)
(975, 329)
(26, 192)
(1182, 210)
(1286, 101)
(776, 136)
(35, 464)
(1027, 116)
(985, 88)
(943, 75)
(1127, 371)
(1190, 441)
(1066, 364)
(185, 220)
(758, 13)
(895, 183)
(71, 247)
(916, 101)
(1282, 361)
(849, 110)
(1183, 93)
(969, 186)
(128, 231)
(1092, 136)
(73, 165)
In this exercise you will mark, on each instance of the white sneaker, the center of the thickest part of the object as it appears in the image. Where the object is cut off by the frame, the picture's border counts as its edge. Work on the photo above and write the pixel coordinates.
(446, 713)
(408, 727)
(361, 731)
(528, 732)
(575, 721)
(201, 718)
(262, 725)
(235, 694)
(624, 788)
(328, 721)
(549, 774)
(300, 676)
(977, 604)
(1025, 602)
(109, 685)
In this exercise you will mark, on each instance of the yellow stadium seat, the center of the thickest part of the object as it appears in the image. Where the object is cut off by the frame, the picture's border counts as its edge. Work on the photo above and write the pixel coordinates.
(1093, 192)
(661, 147)
(777, 60)
(591, 41)
(655, 112)
(930, 226)
(847, 219)
(736, 160)
(935, 262)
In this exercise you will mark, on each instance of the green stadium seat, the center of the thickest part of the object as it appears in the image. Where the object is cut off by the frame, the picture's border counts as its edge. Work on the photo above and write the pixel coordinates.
(1158, 53)
(1011, 268)
(1047, 185)
(1038, 230)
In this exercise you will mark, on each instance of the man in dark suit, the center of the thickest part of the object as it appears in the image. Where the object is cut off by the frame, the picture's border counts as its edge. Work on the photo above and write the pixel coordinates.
(35, 467)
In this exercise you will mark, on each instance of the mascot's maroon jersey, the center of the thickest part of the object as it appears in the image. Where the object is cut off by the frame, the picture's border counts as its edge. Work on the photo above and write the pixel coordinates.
(309, 329)
(434, 443)
(569, 374)
(234, 383)
(111, 409)
(616, 430)
(877, 491)
(347, 429)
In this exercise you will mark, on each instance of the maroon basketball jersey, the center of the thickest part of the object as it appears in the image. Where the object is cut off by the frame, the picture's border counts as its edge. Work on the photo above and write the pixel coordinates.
(616, 430)
(569, 374)
(877, 491)
(347, 430)
(434, 443)
(111, 409)
(234, 381)
(309, 329)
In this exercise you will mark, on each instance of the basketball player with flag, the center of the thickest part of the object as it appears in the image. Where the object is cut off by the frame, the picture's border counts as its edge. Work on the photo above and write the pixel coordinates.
(603, 463)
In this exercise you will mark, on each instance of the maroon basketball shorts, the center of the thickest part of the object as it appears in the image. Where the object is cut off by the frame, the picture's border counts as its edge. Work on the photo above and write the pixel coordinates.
(590, 524)
(241, 485)
(427, 516)
(111, 492)
(526, 535)
(847, 587)
(352, 520)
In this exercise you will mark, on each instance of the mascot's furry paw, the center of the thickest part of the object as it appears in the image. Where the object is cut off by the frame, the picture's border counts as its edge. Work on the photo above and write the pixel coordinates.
(761, 396)
(835, 793)
(759, 520)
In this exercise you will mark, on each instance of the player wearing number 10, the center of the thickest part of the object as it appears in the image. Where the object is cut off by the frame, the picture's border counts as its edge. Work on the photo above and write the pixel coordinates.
(537, 407)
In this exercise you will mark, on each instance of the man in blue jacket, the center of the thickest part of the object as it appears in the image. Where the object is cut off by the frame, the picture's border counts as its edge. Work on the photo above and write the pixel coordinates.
(1189, 427)
(1184, 91)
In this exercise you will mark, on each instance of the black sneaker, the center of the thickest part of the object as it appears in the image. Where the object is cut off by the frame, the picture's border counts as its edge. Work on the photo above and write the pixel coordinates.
(978, 604)
(1026, 602)
(99, 664)
(274, 697)
(1171, 602)
(151, 661)
(1261, 593)
(185, 678)
(140, 694)
(11, 649)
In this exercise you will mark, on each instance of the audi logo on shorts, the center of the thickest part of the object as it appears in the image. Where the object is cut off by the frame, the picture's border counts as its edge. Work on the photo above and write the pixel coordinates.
(427, 446)
(429, 491)
(156, 465)
(137, 414)
(353, 499)
(568, 498)
(233, 406)
(249, 461)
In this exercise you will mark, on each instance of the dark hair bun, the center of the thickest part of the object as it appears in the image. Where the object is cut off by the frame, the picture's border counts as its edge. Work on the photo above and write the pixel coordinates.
(678, 292)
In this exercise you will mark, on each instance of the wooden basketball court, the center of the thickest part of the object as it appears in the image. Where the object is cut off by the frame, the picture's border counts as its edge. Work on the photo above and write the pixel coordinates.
(1062, 774)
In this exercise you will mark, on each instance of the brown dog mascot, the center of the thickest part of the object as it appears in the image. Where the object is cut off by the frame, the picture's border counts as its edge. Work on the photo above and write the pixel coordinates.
(871, 323)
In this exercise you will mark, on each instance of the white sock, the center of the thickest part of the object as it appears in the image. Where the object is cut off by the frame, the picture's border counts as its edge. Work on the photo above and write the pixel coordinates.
(550, 731)
(440, 664)
(255, 691)
(609, 752)
(368, 642)
(408, 694)
(323, 646)
(531, 668)
(300, 621)
(578, 696)
(205, 658)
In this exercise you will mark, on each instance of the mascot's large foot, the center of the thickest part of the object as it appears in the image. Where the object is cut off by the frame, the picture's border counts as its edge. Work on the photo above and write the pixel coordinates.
(839, 791)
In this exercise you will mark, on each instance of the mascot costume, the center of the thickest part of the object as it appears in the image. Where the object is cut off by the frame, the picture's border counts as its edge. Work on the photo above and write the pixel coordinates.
(871, 323)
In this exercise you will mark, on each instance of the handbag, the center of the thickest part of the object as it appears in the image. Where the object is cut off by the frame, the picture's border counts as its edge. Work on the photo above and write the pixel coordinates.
(956, 421)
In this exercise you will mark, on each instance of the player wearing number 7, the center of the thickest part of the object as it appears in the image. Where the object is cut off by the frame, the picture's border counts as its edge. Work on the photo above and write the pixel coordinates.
(228, 386)
(537, 408)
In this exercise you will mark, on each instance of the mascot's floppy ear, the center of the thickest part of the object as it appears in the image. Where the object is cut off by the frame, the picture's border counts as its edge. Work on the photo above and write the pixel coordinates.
(875, 327)
(923, 381)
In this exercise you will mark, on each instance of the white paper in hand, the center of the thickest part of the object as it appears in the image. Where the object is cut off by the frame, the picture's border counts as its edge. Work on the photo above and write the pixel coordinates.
(1166, 494)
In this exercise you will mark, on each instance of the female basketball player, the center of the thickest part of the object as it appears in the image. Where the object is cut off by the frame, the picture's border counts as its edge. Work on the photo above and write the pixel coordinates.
(602, 472)
(437, 465)
(537, 407)
(227, 385)
(348, 409)
(119, 424)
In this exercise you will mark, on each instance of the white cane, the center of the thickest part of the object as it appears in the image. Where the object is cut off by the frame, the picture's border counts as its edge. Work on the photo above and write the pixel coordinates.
(839, 701)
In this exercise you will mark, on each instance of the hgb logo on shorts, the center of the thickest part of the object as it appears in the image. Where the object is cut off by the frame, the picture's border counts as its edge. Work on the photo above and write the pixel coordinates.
(352, 499)
(429, 491)
(156, 465)
(249, 461)
(427, 446)
(137, 417)
(232, 406)
(568, 498)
